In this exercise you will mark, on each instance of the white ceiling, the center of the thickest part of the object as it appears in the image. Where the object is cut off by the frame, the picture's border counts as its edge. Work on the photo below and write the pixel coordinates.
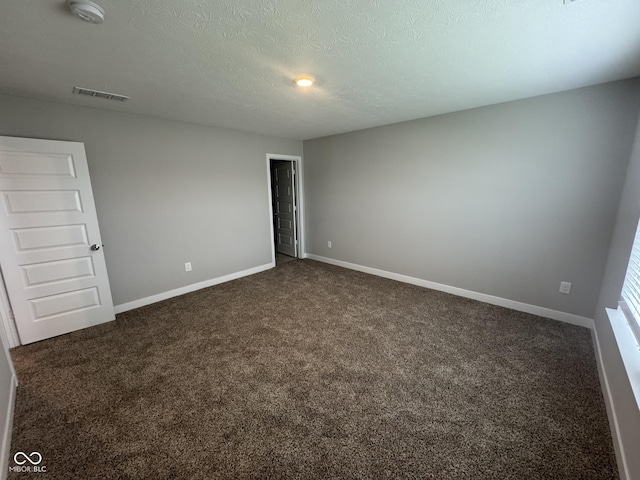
(231, 63)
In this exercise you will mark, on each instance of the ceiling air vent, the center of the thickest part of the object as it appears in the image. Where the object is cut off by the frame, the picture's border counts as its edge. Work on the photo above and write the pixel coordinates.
(98, 94)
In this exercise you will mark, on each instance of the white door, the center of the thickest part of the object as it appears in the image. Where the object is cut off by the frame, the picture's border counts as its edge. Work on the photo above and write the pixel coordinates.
(50, 247)
(283, 186)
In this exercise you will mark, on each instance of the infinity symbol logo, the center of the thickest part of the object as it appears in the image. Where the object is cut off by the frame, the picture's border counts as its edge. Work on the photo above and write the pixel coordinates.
(27, 458)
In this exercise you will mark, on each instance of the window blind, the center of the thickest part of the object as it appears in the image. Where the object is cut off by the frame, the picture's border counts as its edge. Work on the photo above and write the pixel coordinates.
(631, 288)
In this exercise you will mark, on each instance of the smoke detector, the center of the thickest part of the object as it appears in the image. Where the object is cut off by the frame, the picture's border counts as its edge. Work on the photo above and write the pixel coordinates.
(86, 10)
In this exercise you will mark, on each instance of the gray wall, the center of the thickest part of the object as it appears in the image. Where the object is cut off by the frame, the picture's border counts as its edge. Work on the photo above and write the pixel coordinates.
(506, 200)
(166, 192)
(623, 235)
(6, 374)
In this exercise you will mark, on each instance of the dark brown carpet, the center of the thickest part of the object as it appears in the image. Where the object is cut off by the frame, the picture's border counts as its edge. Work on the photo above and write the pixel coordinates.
(313, 371)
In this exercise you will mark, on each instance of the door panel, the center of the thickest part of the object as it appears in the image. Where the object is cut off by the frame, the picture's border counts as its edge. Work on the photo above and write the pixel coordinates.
(65, 302)
(50, 237)
(36, 202)
(283, 187)
(284, 224)
(59, 271)
(55, 281)
(24, 163)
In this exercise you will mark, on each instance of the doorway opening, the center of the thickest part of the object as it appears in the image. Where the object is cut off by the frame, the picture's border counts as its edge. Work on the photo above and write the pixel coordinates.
(284, 196)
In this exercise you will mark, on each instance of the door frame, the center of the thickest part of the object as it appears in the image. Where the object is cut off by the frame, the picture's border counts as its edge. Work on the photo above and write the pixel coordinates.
(8, 330)
(299, 193)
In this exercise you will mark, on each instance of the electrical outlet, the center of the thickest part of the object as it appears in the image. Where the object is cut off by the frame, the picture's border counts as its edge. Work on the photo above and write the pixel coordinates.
(329, 244)
(565, 287)
(187, 267)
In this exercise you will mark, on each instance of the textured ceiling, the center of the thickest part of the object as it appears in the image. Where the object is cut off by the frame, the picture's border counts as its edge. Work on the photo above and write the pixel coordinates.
(231, 64)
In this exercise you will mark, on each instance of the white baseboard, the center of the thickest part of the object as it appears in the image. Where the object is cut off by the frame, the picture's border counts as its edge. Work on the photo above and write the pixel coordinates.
(482, 297)
(190, 288)
(5, 450)
(611, 411)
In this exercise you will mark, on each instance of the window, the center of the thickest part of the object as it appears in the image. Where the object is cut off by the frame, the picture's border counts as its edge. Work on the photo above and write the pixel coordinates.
(630, 301)
(625, 320)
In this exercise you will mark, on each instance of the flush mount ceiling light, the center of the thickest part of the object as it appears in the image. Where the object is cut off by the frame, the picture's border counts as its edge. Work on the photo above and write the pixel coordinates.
(86, 10)
(304, 81)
